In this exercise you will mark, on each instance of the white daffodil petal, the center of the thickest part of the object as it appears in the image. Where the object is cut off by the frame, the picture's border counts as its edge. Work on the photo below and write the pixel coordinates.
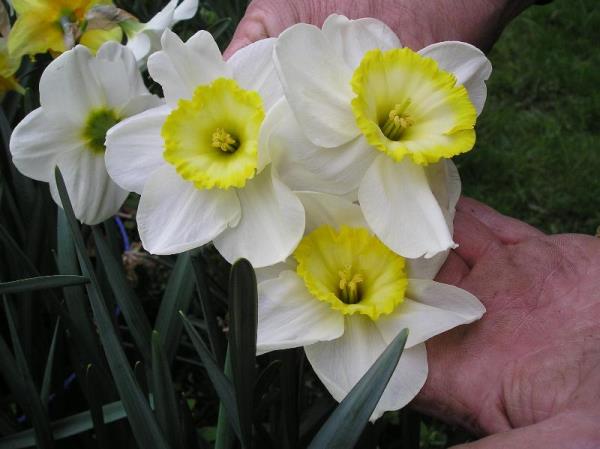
(253, 69)
(273, 271)
(162, 19)
(37, 141)
(186, 10)
(305, 166)
(140, 45)
(316, 83)
(94, 196)
(134, 148)
(140, 104)
(341, 363)
(179, 68)
(398, 204)
(71, 72)
(434, 309)
(353, 38)
(469, 65)
(323, 209)
(174, 216)
(289, 316)
(271, 225)
(117, 72)
(445, 184)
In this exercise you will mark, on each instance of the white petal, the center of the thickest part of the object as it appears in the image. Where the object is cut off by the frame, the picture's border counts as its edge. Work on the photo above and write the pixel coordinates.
(253, 68)
(186, 10)
(316, 83)
(179, 68)
(271, 225)
(93, 195)
(69, 89)
(353, 38)
(469, 65)
(38, 140)
(140, 104)
(289, 316)
(174, 216)
(305, 166)
(342, 362)
(164, 18)
(433, 309)
(444, 181)
(323, 209)
(117, 71)
(273, 271)
(140, 45)
(398, 204)
(134, 148)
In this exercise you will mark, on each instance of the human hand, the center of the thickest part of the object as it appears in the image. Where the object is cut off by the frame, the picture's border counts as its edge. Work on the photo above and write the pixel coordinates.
(417, 23)
(530, 364)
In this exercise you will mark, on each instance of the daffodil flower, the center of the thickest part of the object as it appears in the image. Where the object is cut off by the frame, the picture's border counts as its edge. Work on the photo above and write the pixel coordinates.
(197, 161)
(345, 296)
(370, 115)
(56, 25)
(81, 97)
(144, 39)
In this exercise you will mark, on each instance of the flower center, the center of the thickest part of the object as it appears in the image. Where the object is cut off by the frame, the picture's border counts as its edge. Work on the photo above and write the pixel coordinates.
(222, 140)
(349, 285)
(212, 138)
(405, 105)
(397, 121)
(97, 125)
(351, 270)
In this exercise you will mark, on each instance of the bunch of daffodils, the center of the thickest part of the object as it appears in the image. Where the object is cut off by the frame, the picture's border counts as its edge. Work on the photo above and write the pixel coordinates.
(322, 156)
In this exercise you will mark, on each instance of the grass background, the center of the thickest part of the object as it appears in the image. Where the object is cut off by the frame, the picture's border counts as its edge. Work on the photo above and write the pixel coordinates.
(537, 156)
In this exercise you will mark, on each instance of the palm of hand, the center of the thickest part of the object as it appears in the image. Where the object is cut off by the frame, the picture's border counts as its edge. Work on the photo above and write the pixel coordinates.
(532, 359)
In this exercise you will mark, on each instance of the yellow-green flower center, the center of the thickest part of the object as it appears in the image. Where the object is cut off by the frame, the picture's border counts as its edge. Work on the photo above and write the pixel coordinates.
(96, 126)
(212, 139)
(405, 105)
(351, 270)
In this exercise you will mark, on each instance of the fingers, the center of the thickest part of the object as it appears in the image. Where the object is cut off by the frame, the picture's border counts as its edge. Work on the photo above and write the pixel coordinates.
(508, 230)
(453, 271)
(558, 432)
(474, 238)
(263, 18)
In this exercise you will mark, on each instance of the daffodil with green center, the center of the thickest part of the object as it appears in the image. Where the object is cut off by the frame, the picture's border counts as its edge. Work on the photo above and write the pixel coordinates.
(367, 117)
(199, 162)
(344, 296)
(81, 98)
(56, 25)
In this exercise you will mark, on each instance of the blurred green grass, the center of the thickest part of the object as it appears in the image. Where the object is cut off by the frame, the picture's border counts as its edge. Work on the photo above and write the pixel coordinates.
(537, 156)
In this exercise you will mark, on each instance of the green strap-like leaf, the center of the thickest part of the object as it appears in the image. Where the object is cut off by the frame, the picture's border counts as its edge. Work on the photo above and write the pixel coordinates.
(177, 297)
(125, 297)
(220, 382)
(41, 283)
(165, 402)
(346, 423)
(47, 382)
(243, 318)
(143, 424)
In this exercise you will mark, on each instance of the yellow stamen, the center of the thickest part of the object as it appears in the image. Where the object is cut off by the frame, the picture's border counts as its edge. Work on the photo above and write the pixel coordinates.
(349, 288)
(222, 140)
(398, 120)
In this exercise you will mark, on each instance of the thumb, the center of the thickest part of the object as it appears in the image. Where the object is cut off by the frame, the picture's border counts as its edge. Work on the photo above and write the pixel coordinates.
(559, 432)
(250, 29)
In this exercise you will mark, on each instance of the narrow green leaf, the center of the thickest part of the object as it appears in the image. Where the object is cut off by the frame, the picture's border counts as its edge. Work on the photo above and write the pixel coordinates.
(289, 399)
(224, 435)
(215, 335)
(33, 404)
(95, 401)
(130, 305)
(344, 426)
(41, 283)
(47, 382)
(177, 297)
(145, 429)
(65, 427)
(165, 401)
(243, 317)
(222, 384)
